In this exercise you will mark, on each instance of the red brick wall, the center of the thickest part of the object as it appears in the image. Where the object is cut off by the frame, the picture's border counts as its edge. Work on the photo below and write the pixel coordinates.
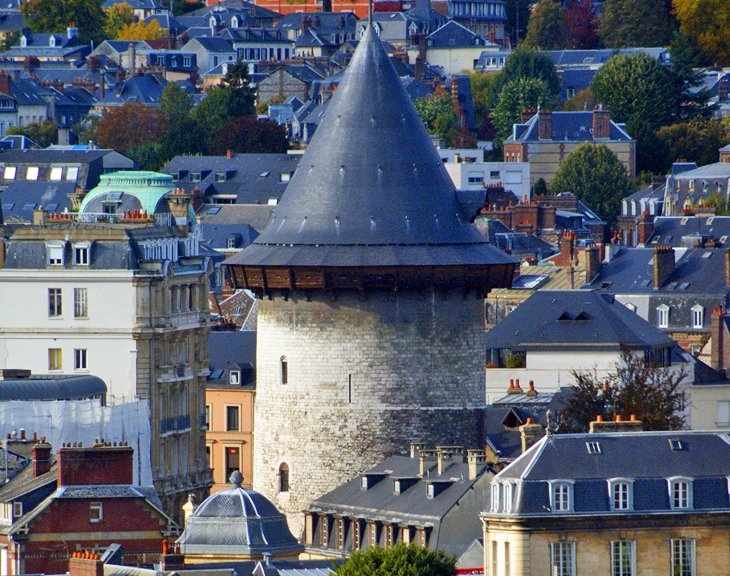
(95, 465)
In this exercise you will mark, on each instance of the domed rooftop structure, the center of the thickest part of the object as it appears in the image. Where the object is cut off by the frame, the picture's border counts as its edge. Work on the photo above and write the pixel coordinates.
(237, 522)
(132, 190)
(370, 191)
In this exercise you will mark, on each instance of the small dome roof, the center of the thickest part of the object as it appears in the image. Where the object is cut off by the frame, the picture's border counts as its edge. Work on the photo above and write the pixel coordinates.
(237, 521)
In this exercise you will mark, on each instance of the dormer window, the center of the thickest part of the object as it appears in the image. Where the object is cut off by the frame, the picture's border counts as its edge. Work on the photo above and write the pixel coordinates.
(662, 316)
(54, 253)
(9, 172)
(496, 492)
(363, 482)
(620, 493)
(561, 496)
(430, 491)
(234, 377)
(234, 22)
(32, 173)
(698, 316)
(24, 41)
(680, 493)
(81, 254)
(284, 176)
(52, 41)
(507, 497)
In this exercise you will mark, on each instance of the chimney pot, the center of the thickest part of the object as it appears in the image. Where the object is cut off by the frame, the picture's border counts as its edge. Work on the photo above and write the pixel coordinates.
(599, 418)
(618, 418)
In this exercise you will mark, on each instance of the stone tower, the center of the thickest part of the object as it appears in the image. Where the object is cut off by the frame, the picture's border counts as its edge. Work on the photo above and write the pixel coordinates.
(371, 321)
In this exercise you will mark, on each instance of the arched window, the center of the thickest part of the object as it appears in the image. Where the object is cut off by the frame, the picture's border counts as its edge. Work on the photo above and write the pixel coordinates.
(284, 477)
(284, 370)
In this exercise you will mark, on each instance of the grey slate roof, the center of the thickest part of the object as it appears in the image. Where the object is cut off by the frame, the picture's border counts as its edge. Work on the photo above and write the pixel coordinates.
(569, 126)
(560, 319)
(453, 35)
(256, 216)
(20, 198)
(630, 271)
(597, 57)
(680, 231)
(52, 388)
(226, 349)
(371, 189)
(645, 457)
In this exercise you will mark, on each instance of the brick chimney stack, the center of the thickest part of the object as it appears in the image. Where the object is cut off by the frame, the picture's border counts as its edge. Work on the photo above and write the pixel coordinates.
(98, 464)
(545, 125)
(179, 202)
(645, 228)
(663, 265)
(4, 83)
(85, 564)
(41, 458)
(601, 123)
(718, 340)
(726, 255)
(592, 262)
(617, 425)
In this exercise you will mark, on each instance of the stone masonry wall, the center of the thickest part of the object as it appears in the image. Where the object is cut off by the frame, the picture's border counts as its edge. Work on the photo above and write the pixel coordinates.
(365, 378)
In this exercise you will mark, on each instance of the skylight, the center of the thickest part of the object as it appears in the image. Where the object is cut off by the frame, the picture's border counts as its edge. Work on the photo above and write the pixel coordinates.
(675, 444)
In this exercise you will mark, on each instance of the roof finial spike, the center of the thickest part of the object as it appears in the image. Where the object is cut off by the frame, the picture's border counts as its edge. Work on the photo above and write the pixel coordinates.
(370, 13)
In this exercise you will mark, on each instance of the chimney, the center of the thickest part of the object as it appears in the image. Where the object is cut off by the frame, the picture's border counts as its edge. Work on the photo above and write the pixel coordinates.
(727, 267)
(41, 458)
(427, 460)
(416, 448)
(570, 273)
(718, 352)
(530, 432)
(102, 86)
(179, 202)
(645, 228)
(39, 216)
(663, 265)
(601, 123)
(476, 460)
(723, 88)
(447, 455)
(98, 464)
(72, 31)
(85, 564)
(229, 154)
(531, 392)
(545, 125)
(171, 558)
(132, 49)
(617, 425)
(4, 83)
(189, 507)
(592, 262)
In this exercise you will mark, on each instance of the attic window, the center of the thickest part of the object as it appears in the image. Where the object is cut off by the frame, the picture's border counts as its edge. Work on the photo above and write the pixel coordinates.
(675, 444)
(363, 482)
(284, 177)
(593, 447)
(723, 239)
(264, 174)
(430, 491)
(582, 317)
(32, 173)
(220, 176)
(72, 173)
(710, 220)
(234, 377)
(195, 176)
(56, 173)
(9, 173)
(565, 317)
(684, 220)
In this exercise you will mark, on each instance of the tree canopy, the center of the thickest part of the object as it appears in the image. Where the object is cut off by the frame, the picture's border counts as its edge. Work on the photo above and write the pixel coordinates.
(437, 113)
(517, 96)
(636, 23)
(141, 31)
(582, 23)
(131, 124)
(596, 176)
(117, 17)
(399, 560)
(56, 15)
(696, 141)
(42, 133)
(707, 22)
(249, 134)
(523, 63)
(547, 28)
(634, 386)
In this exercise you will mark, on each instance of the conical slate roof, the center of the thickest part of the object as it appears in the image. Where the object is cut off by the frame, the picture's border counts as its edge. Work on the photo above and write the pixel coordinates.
(371, 189)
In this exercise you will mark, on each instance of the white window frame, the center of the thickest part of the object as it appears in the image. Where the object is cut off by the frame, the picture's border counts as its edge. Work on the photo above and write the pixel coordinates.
(496, 493)
(57, 355)
(618, 548)
(81, 253)
(507, 497)
(81, 359)
(17, 509)
(679, 555)
(81, 303)
(55, 253)
(238, 419)
(96, 512)
(234, 377)
(55, 303)
(72, 173)
(562, 558)
(698, 316)
(680, 503)
(561, 496)
(615, 484)
(662, 320)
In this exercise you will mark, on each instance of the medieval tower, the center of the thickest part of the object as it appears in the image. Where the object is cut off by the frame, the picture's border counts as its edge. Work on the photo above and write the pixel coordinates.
(371, 287)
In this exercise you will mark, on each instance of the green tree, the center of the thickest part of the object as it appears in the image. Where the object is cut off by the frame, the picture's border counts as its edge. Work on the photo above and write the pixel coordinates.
(707, 22)
(42, 133)
(634, 386)
(148, 156)
(548, 27)
(117, 17)
(484, 101)
(248, 134)
(175, 104)
(517, 96)
(686, 56)
(437, 113)
(399, 560)
(581, 101)
(241, 97)
(56, 15)
(180, 7)
(696, 141)
(518, 15)
(635, 23)
(594, 174)
(524, 63)
(87, 129)
(11, 38)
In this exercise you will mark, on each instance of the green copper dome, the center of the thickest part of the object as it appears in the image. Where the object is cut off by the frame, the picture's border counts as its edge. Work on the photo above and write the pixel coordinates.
(146, 191)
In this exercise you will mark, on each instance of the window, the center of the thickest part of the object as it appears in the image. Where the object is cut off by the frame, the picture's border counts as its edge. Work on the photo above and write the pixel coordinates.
(562, 559)
(621, 495)
(80, 359)
(561, 495)
(680, 494)
(207, 416)
(96, 512)
(231, 242)
(32, 173)
(506, 559)
(698, 316)
(723, 413)
(54, 359)
(496, 489)
(233, 459)
(623, 558)
(234, 377)
(663, 316)
(80, 303)
(232, 423)
(493, 558)
(55, 307)
(284, 370)
(17, 509)
(284, 176)
(56, 173)
(54, 253)
(593, 447)
(9, 173)
(284, 477)
(81, 254)
(683, 557)
(72, 173)
(476, 177)
(507, 497)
